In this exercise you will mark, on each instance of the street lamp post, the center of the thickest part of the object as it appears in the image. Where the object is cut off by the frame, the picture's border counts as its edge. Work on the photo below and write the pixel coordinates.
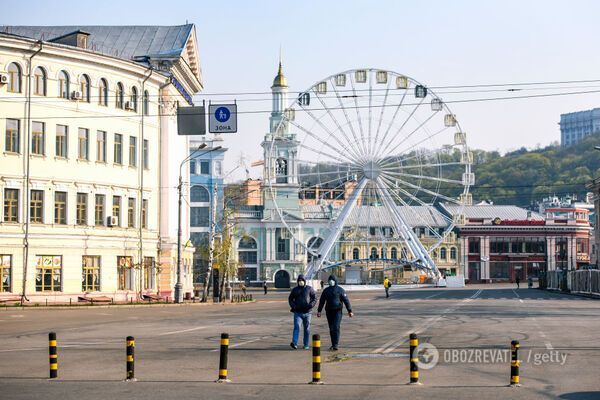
(179, 285)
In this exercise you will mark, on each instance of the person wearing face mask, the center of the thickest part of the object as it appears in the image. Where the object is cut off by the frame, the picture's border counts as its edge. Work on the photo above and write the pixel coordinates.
(334, 299)
(302, 299)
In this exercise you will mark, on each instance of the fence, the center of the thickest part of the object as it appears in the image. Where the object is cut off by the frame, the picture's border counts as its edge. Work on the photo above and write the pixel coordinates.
(585, 281)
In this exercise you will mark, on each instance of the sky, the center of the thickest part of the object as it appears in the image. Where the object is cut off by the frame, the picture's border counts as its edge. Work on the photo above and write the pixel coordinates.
(438, 43)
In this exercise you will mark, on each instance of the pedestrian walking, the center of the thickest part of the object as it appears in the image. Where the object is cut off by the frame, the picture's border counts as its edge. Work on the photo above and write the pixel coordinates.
(386, 286)
(334, 299)
(265, 287)
(243, 288)
(302, 299)
(518, 280)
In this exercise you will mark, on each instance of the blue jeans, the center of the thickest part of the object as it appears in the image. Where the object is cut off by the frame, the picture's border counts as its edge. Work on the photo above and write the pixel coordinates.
(304, 319)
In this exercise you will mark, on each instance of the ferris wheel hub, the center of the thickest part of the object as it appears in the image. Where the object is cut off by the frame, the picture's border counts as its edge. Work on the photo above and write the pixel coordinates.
(371, 169)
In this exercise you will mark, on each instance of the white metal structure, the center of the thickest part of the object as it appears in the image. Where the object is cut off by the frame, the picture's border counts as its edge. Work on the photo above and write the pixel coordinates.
(365, 140)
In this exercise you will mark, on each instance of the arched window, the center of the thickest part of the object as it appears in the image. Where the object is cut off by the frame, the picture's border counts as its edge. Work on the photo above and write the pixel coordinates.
(63, 85)
(281, 170)
(374, 253)
(247, 250)
(134, 99)
(403, 254)
(39, 82)
(355, 254)
(199, 194)
(453, 253)
(314, 243)
(394, 253)
(119, 96)
(103, 93)
(84, 87)
(146, 106)
(443, 252)
(14, 78)
(434, 254)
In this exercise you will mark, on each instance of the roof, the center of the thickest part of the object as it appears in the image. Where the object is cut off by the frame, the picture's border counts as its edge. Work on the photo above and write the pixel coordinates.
(489, 211)
(280, 80)
(126, 42)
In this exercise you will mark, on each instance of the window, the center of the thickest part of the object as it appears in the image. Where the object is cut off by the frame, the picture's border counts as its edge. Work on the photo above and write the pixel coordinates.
(119, 94)
(60, 208)
(91, 273)
(116, 207)
(132, 151)
(374, 253)
(453, 253)
(101, 146)
(314, 243)
(83, 143)
(134, 99)
(39, 82)
(149, 273)
(99, 210)
(146, 101)
(48, 274)
(281, 170)
(199, 216)
(474, 245)
(192, 167)
(199, 194)
(355, 254)
(11, 205)
(131, 213)
(144, 213)
(218, 168)
(145, 154)
(62, 140)
(103, 93)
(443, 253)
(118, 149)
(13, 136)
(63, 85)
(36, 207)
(84, 87)
(14, 78)
(37, 138)
(124, 268)
(394, 253)
(204, 167)
(247, 250)
(81, 218)
(5, 272)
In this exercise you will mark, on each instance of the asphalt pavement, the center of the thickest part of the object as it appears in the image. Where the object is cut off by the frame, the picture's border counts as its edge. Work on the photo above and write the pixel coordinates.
(177, 348)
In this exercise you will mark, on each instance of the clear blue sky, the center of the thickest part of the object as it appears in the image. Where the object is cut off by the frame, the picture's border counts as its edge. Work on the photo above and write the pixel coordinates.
(435, 42)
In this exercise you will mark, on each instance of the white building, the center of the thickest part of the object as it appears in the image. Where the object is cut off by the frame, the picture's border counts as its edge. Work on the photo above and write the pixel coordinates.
(90, 159)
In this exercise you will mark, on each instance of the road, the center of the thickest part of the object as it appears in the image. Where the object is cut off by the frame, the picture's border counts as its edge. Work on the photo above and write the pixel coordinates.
(176, 348)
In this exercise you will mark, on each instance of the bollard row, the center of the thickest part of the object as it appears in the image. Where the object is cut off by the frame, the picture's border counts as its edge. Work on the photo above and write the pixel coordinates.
(316, 359)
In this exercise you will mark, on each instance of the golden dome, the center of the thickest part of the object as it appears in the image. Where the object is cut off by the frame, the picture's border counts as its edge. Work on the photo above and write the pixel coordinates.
(280, 80)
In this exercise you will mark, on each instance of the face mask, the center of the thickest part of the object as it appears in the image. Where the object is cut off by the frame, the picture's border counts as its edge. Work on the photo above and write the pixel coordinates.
(331, 282)
(301, 283)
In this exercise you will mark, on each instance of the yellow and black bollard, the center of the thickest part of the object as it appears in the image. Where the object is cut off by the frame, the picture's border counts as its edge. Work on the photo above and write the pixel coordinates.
(130, 359)
(53, 355)
(316, 360)
(414, 358)
(514, 363)
(223, 358)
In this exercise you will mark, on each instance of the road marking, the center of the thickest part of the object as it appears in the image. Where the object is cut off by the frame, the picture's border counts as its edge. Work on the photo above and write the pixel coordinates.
(182, 331)
(17, 316)
(240, 344)
(549, 346)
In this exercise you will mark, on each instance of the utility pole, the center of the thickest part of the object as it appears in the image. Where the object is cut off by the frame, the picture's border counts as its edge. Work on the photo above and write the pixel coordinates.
(179, 285)
(211, 245)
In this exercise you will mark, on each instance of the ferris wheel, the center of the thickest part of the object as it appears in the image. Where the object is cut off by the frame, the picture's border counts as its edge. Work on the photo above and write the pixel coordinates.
(377, 152)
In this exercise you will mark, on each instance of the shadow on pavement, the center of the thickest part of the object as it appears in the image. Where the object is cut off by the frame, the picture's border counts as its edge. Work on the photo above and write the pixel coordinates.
(580, 396)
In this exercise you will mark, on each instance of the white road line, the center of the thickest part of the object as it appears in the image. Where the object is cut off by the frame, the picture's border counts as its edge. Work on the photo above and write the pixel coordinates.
(385, 345)
(17, 316)
(240, 344)
(549, 346)
(182, 331)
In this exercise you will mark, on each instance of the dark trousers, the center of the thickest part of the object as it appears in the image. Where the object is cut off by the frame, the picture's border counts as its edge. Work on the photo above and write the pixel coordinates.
(387, 292)
(334, 319)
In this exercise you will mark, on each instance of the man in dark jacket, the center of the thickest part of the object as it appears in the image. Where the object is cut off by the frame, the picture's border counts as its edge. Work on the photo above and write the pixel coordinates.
(334, 299)
(302, 300)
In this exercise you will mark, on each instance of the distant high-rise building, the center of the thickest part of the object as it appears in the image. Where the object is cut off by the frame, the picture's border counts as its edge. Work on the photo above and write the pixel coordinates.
(577, 125)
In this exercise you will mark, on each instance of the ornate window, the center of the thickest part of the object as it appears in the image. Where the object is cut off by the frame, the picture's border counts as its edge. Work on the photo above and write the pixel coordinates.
(281, 170)
(63, 85)
(103, 93)
(394, 253)
(14, 78)
(39, 82)
(355, 253)
(453, 253)
(134, 99)
(247, 250)
(199, 194)
(84, 87)
(374, 253)
(119, 94)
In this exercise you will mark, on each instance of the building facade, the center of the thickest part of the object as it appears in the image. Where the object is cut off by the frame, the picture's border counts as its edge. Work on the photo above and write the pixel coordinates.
(89, 138)
(577, 125)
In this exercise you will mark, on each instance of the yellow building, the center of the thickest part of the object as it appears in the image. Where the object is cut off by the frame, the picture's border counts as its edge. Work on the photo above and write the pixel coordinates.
(90, 159)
